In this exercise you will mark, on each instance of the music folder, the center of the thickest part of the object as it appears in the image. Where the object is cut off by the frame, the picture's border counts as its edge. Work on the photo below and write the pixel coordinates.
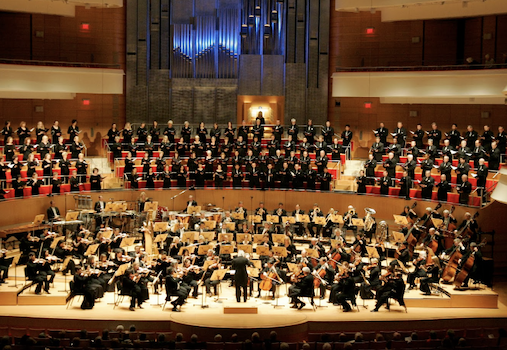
(262, 250)
(92, 248)
(150, 206)
(241, 237)
(290, 219)
(203, 249)
(226, 249)
(278, 238)
(275, 219)
(247, 248)
(195, 209)
(190, 249)
(225, 236)
(400, 219)
(257, 238)
(280, 251)
(357, 222)
(160, 238)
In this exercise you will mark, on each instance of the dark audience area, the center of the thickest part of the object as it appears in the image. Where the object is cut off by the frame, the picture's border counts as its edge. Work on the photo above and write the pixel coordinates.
(131, 338)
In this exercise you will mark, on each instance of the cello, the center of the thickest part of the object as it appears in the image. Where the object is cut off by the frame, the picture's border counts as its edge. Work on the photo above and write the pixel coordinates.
(466, 267)
(428, 223)
(268, 279)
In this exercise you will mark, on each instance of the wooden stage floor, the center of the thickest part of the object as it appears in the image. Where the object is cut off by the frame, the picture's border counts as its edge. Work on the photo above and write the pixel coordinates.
(423, 313)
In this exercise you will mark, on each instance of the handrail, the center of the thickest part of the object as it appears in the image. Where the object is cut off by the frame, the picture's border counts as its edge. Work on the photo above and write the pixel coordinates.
(420, 68)
(58, 63)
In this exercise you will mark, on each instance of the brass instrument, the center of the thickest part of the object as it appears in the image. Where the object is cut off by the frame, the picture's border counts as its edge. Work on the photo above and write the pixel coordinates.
(369, 221)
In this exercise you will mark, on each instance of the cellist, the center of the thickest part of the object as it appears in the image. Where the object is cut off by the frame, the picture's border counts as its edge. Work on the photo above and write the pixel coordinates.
(270, 276)
(476, 270)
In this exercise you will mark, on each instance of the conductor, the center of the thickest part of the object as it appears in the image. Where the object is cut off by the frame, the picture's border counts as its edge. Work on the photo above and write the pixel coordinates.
(239, 264)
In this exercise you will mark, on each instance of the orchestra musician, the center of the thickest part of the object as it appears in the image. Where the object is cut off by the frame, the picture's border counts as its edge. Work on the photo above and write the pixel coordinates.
(53, 213)
(82, 286)
(345, 291)
(130, 287)
(432, 276)
(393, 288)
(302, 288)
(173, 288)
(35, 273)
(314, 228)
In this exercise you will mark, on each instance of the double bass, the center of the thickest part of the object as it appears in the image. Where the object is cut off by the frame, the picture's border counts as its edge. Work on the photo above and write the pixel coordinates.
(466, 268)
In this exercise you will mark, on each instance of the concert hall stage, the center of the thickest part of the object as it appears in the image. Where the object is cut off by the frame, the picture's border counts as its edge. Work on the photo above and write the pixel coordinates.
(434, 312)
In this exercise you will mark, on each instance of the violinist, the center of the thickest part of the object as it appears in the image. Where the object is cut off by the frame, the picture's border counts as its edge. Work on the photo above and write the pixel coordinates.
(82, 286)
(393, 288)
(62, 251)
(419, 271)
(404, 255)
(208, 283)
(345, 291)
(190, 278)
(432, 275)
(302, 288)
(130, 287)
(108, 269)
(173, 288)
(80, 246)
(120, 259)
(36, 274)
(326, 275)
(97, 281)
(28, 243)
(290, 247)
(142, 277)
(163, 263)
(46, 262)
(270, 277)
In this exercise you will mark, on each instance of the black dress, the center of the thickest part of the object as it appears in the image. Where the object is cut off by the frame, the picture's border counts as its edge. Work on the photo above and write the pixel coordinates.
(95, 182)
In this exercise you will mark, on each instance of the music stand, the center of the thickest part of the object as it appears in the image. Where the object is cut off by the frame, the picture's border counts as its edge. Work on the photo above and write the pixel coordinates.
(278, 238)
(194, 209)
(227, 236)
(257, 238)
(372, 253)
(398, 237)
(126, 242)
(337, 219)
(191, 250)
(218, 275)
(150, 206)
(71, 216)
(238, 216)
(92, 248)
(107, 233)
(226, 249)
(203, 250)
(189, 236)
(400, 220)
(109, 207)
(319, 220)
(313, 253)
(15, 262)
(210, 225)
(38, 220)
(290, 219)
(55, 243)
(247, 248)
(208, 236)
(262, 250)
(160, 238)
(275, 219)
(280, 251)
(231, 226)
(357, 222)
(64, 267)
(160, 226)
(241, 237)
(304, 218)
(255, 219)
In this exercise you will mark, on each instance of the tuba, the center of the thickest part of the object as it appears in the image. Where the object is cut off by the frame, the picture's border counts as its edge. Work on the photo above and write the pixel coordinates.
(382, 232)
(369, 221)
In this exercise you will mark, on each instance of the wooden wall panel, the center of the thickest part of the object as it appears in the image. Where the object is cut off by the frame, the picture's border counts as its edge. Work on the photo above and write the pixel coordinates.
(63, 39)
